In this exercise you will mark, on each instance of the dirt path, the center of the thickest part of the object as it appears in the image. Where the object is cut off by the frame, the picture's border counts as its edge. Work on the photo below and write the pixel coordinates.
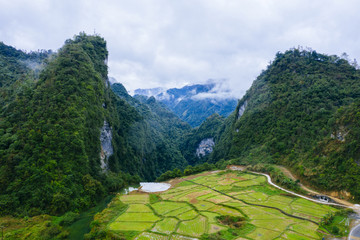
(290, 175)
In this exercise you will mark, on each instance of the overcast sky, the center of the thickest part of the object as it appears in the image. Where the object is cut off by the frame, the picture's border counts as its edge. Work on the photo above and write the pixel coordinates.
(171, 43)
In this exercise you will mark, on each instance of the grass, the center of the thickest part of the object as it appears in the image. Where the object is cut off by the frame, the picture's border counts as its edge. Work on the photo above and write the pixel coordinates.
(306, 228)
(154, 198)
(167, 225)
(211, 216)
(164, 207)
(337, 223)
(151, 236)
(188, 215)
(214, 228)
(274, 224)
(195, 227)
(264, 234)
(180, 237)
(223, 210)
(230, 234)
(189, 211)
(185, 183)
(137, 217)
(139, 208)
(219, 199)
(135, 198)
(130, 226)
(203, 205)
(179, 211)
(296, 236)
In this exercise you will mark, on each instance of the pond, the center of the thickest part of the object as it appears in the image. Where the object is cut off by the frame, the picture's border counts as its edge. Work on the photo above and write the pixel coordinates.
(154, 187)
(149, 187)
(82, 225)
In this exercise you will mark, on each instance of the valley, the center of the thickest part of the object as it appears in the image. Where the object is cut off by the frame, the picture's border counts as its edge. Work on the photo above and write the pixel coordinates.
(69, 139)
(195, 205)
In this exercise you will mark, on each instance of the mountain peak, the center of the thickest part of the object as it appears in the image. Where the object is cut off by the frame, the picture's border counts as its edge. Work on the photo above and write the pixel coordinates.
(194, 103)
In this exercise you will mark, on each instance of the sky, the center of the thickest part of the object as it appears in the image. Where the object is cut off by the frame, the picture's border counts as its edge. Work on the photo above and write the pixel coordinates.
(164, 43)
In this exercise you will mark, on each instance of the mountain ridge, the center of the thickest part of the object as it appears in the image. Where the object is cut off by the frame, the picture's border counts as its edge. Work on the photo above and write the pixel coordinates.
(291, 108)
(194, 103)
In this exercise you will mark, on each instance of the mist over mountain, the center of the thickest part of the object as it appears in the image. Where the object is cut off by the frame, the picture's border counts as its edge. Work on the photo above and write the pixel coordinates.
(195, 103)
(68, 137)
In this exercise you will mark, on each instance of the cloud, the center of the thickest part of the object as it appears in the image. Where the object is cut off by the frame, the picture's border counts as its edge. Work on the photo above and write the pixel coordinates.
(159, 43)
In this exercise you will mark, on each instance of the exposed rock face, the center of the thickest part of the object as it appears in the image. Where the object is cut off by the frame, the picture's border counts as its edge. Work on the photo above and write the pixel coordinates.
(106, 146)
(242, 109)
(205, 147)
(340, 134)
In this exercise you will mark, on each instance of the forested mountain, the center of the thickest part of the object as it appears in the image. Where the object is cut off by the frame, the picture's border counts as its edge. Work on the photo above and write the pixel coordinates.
(193, 103)
(198, 144)
(300, 112)
(65, 138)
(156, 135)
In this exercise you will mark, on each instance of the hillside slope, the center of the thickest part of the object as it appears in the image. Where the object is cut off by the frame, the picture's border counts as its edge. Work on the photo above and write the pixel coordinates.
(64, 135)
(289, 110)
(155, 136)
(198, 144)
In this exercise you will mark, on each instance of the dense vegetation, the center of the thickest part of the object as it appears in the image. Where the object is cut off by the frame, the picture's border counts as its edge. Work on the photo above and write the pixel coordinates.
(155, 136)
(16, 65)
(302, 112)
(189, 170)
(293, 106)
(50, 132)
(277, 176)
(210, 128)
(53, 108)
(336, 159)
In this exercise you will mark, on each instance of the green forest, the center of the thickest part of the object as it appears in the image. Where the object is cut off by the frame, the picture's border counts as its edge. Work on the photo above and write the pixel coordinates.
(301, 112)
(53, 108)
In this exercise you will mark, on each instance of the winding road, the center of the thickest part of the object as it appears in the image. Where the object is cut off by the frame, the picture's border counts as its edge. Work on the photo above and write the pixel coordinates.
(355, 207)
(298, 195)
(355, 231)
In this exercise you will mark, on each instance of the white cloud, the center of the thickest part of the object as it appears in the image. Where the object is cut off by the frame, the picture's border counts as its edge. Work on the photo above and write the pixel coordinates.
(159, 43)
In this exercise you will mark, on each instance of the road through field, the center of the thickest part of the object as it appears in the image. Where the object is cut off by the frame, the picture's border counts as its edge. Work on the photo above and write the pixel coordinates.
(290, 175)
(355, 231)
(352, 206)
(298, 195)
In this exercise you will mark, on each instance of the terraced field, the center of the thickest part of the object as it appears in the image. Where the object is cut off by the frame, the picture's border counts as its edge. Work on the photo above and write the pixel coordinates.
(191, 209)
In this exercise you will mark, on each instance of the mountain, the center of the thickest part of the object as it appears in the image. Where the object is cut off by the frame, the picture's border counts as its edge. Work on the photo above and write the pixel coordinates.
(194, 103)
(193, 144)
(198, 144)
(68, 137)
(300, 112)
(66, 140)
(156, 135)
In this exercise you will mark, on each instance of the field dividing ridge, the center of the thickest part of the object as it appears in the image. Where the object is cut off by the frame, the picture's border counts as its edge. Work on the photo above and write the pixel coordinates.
(216, 206)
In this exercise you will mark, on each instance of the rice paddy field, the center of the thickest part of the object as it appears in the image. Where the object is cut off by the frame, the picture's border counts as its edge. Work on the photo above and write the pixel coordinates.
(191, 210)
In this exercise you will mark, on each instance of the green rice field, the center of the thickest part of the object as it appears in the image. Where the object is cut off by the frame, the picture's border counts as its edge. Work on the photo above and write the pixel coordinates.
(191, 211)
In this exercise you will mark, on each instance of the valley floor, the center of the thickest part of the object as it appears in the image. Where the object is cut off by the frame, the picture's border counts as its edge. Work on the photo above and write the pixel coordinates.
(193, 206)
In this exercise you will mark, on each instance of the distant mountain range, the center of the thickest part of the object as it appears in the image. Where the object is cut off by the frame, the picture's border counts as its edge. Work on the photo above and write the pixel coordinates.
(194, 103)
